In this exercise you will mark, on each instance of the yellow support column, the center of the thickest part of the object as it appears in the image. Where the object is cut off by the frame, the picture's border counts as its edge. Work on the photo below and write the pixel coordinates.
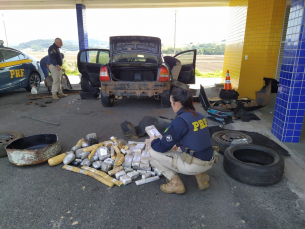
(259, 41)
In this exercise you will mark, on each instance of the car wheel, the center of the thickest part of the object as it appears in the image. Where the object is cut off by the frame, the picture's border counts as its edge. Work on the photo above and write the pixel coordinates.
(6, 138)
(253, 164)
(84, 83)
(223, 139)
(165, 102)
(107, 101)
(34, 79)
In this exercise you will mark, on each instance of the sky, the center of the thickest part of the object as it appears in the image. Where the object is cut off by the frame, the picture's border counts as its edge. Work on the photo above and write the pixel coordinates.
(196, 25)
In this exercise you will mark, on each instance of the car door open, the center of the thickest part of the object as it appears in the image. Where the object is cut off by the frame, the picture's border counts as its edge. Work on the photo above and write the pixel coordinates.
(89, 63)
(188, 62)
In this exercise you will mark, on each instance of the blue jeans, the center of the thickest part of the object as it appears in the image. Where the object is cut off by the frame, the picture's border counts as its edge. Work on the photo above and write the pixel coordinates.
(45, 70)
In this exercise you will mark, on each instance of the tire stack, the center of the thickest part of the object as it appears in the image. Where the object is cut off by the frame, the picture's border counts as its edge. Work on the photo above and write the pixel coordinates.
(248, 163)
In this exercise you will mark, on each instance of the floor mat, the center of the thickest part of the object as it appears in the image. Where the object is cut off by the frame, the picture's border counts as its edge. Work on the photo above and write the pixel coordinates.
(258, 139)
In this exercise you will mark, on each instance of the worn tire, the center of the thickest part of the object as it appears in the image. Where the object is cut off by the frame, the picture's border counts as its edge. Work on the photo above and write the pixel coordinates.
(224, 138)
(34, 78)
(253, 165)
(84, 83)
(6, 138)
(107, 101)
(165, 102)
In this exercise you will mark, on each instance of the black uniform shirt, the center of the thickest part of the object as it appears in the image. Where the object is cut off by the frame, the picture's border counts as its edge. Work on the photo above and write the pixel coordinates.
(55, 55)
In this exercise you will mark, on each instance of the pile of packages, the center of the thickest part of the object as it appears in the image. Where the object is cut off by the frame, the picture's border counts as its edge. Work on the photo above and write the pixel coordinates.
(112, 162)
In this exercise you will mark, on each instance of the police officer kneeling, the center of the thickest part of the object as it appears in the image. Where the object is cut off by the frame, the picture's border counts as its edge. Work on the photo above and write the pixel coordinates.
(190, 132)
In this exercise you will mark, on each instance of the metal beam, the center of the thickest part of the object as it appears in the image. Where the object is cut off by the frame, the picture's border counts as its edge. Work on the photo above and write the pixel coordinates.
(70, 4)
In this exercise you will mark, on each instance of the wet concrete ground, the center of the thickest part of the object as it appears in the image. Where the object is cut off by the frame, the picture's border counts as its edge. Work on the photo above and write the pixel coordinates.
(40, 196)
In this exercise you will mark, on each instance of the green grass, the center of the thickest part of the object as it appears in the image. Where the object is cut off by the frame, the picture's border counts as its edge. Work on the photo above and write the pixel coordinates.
(216, 74)
(70, 68)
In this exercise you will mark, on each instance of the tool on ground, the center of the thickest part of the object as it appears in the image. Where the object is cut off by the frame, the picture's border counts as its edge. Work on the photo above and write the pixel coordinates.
(215, 113)
(51, 123)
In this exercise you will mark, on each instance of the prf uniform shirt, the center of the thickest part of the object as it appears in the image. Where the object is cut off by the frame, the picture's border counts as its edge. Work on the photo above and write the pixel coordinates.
(55, 55)
(188, 131)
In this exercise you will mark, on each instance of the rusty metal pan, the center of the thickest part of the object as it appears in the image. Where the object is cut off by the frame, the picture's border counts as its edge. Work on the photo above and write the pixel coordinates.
(33, 150)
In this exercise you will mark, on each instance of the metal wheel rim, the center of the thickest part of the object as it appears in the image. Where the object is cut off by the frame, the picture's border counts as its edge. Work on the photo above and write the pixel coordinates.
(229, 137)
(6, 138)
(34, 80)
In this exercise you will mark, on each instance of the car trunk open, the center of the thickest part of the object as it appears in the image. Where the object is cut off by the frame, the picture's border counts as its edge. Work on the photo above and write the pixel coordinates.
(122, 73)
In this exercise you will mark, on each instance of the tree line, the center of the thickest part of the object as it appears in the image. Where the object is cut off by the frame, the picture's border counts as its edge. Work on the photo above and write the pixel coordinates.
(202, 49)
(42, 44)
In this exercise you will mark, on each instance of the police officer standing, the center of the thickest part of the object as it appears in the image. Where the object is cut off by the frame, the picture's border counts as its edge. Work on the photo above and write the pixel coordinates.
(45, 64)
(190, 132)
(55, 68)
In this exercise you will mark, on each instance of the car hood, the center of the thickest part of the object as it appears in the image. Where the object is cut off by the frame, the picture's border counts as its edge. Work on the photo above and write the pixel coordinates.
(33, 58)
(138, 44)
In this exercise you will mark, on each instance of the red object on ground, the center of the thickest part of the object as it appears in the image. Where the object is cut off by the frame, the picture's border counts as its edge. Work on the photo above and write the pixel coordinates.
(228, 82)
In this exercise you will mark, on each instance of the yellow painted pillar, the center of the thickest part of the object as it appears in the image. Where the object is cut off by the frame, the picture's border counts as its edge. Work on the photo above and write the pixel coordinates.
(260, 45)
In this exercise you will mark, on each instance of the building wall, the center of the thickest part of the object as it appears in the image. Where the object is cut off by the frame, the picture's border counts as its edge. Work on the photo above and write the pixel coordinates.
(261, 44)
(255, 30)
(235, 40)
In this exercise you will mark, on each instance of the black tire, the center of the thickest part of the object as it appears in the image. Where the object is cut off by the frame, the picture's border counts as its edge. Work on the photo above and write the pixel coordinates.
(34, 79)
(84, 83)
(6, 138)
(107, 101)
(223, 139)
(253, 165)
(165, 102)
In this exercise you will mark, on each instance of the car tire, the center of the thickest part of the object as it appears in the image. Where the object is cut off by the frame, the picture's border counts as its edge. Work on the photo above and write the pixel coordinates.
(165, 102)
(6, 138)
(84, 83)
(223, 139)
(34, 79)
(253, 165)
(107, 101)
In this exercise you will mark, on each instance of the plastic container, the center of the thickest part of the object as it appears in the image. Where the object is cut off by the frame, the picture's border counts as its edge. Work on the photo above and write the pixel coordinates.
(34, 90)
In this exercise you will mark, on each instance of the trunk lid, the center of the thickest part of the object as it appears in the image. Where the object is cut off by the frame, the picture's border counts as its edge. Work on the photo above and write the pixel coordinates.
(135, 44)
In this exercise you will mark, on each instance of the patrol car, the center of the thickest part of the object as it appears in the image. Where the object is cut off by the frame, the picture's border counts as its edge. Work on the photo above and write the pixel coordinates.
(18, 70)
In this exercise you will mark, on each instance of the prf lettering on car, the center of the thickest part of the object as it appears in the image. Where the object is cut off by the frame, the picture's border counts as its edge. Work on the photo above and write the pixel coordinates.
(17, 73)
(200, 123)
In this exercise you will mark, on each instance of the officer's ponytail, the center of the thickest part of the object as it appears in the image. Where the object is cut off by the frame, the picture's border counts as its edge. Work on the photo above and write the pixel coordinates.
(185, 97)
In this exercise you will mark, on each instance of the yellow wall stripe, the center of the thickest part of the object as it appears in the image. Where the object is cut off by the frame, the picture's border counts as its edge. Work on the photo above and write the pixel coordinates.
(12, 63)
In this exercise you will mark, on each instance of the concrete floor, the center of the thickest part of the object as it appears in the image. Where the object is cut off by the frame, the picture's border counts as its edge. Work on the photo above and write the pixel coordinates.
(294, 165)
(47, 197)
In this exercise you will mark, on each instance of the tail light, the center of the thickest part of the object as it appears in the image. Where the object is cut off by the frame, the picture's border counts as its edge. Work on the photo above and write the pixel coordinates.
(164, 75)
(104, 76)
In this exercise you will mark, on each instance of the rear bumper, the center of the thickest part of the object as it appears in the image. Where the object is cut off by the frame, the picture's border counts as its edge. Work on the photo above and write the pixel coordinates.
(135, 89)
